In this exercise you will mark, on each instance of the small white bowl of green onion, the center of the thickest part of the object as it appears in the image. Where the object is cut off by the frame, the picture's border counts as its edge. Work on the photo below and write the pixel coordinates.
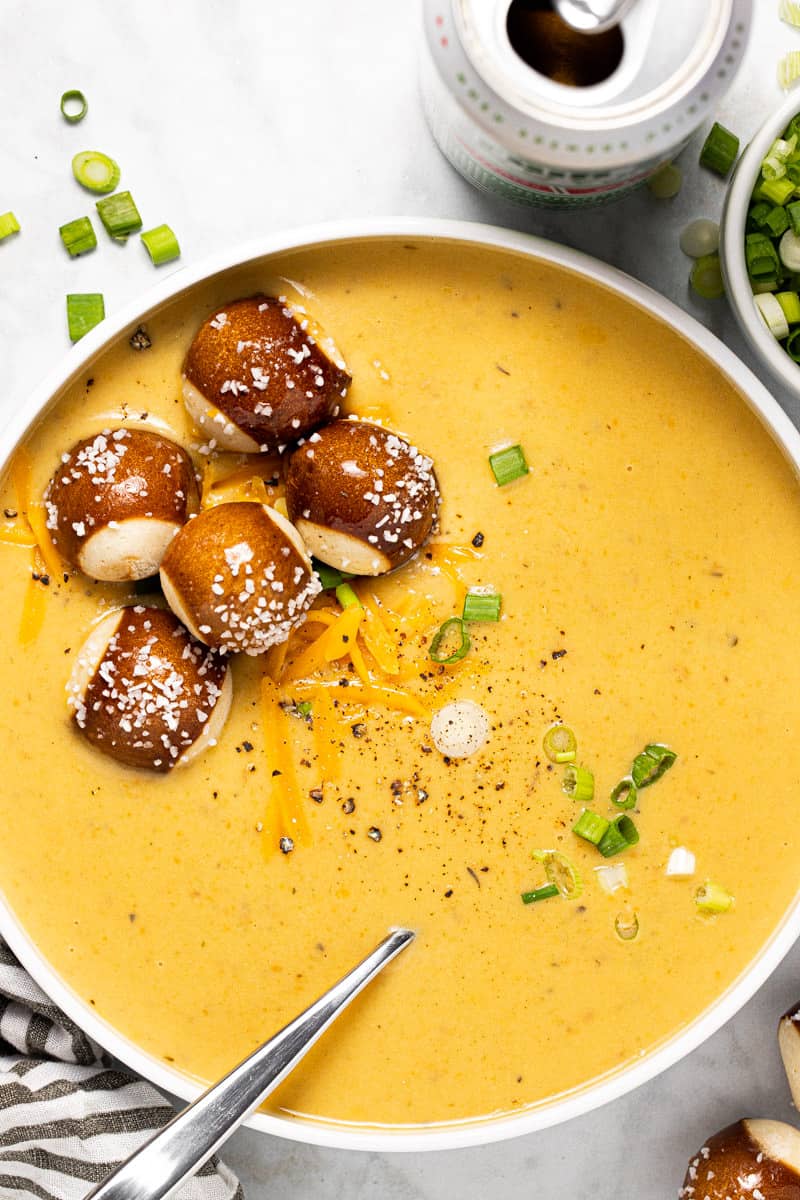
(760, 243)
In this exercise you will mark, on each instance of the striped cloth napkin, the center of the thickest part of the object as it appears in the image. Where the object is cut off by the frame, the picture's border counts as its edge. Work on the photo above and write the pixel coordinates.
(68, 1116)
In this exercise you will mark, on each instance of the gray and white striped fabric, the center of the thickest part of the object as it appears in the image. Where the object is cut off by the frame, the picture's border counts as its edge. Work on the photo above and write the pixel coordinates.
(68, 1116)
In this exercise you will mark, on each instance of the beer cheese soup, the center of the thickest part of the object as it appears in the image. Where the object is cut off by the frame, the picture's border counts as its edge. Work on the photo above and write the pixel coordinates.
(641, 571)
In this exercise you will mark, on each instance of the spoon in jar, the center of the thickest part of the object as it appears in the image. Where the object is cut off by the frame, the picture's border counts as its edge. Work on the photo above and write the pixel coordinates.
(168, 1158)
(592, 16)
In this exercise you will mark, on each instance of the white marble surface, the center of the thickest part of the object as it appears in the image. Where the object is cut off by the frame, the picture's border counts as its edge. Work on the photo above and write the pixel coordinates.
(235, 117)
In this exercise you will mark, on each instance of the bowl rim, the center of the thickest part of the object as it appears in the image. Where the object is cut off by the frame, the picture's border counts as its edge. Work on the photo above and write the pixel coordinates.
(731, 247)
(485, 1130)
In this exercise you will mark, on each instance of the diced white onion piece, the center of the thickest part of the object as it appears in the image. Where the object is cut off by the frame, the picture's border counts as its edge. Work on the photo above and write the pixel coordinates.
(773, 314)
(789, 250)
(613, 877)
(700, 237)
(460, 728)
(681, 863)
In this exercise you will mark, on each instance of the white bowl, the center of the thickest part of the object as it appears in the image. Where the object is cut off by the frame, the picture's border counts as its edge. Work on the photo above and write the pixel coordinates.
(731, 248)
(480, 1132)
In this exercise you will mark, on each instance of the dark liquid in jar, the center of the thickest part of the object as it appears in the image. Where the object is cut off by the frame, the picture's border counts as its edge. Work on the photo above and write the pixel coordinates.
(553, 48)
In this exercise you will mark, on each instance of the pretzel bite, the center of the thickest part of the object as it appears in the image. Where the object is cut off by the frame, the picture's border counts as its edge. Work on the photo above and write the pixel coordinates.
(239, 577)
(145, 692)
(752, 1158)
(362, 498)
(117, 500)
(256, 379)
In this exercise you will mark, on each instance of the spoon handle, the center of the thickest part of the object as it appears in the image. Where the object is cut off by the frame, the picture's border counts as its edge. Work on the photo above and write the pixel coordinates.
(167, 1159)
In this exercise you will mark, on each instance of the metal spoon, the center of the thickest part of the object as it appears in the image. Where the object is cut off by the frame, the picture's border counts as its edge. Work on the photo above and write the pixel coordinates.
(167, 1159)
(592, 16)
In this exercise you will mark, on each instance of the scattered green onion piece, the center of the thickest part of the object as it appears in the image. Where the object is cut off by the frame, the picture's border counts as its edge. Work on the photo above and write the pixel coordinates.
(706, 277)
(445, 633)
(8, 225)
(793, 172)
(329, 577)
(713, 898)
(560, 744)
(778, 191)
(621, 834)
(546, 892)
(591, 827)
(560, 871)
(625, 794)
(701, 237)
(777, 222)
(481, 606)
(666, 182)
(790, 13)
(792, 346)
(790, 303)
(773, 167)
(508, 464)
(347, 597)
(578, 783)
(773, 314)
(68, 110)
(161, 245)
(626, 926)
(84, 311)
(303, 708)
(719, 149)
(651, 764)
(793, 213)
(789, 69)
(95, 171)
(78, 236)
(119, 214)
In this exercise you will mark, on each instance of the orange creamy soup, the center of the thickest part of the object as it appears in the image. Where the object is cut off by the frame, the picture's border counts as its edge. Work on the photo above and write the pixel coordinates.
(646, 568)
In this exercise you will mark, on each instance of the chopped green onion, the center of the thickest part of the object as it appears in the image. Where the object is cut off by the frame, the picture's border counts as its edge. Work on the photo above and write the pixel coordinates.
(700, 237)
(651, 764)
(508, 464)
(777, 222)
(626, 926)
(560, 744)
(303, 708)
(578, 784)
(161, 245)
(78, 236)
(761, 257)
(665, 182)
(790, 303)
(445, 633)
(95, 171)
(481, 606)
(560, 871)
(621, 834)
(69, 112)
(347, 597)
(84, 311)
(119, 214)
(773, 167)
(712, 898)
(329, 577)
(776, 190)
(545, 892)
(758, 214)
(789, 250)
(591, 827)
(789, 69)
(612, 877)
(790, 13)
(793, 213)
(792, 346)
(773, 314)
(625, 794)
(706, 277)
(8, 225)
(719, 149)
